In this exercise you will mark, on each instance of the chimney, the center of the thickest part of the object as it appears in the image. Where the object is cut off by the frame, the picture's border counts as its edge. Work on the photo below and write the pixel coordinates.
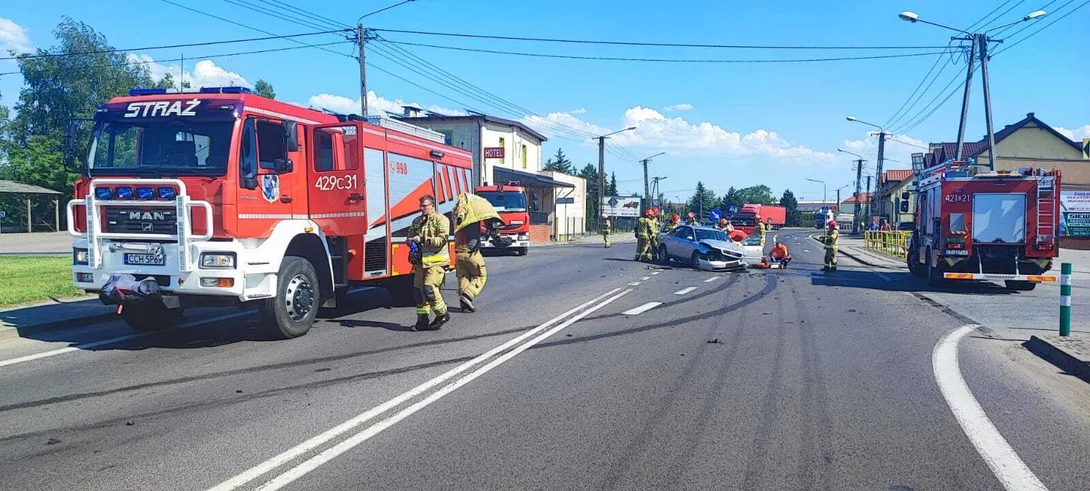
(410, 111)
(1029, 115)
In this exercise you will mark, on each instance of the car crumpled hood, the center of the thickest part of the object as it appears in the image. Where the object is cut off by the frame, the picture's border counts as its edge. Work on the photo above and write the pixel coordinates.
(724, 246)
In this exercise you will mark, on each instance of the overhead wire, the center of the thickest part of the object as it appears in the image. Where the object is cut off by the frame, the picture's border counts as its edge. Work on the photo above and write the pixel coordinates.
(403, 2)
(1046, 26)
(316, 17)
(276, 15)
(1012, 26)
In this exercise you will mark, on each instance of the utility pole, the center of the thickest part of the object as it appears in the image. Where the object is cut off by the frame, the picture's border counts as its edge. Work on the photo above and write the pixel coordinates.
(858, 198)
(646, 184)
(881, 157)
(360, 33)
(601, 177)
(965, 97)
(869, 200)
(983, 40)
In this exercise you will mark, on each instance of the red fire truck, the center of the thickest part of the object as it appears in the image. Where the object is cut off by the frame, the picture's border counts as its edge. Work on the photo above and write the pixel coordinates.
(223, 196)
(510, 201)
(976, 224)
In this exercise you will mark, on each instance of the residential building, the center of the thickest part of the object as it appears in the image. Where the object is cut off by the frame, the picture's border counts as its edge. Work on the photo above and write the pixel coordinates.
(476, 132)
(813, 205)
(886, 203)
(850, 207)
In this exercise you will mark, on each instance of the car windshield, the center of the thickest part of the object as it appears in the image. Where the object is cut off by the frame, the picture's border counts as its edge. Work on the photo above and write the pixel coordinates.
(505, 201)
(160, 148)
(702, 234)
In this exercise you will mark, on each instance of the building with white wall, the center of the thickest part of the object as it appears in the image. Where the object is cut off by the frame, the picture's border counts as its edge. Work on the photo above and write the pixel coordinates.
(481, 134)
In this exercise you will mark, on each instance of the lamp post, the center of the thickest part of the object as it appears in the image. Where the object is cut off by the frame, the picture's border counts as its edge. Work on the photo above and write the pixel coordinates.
(824, 194)
(646, 183)
(602, 170)
(881, 145)
(858, 183)
(977, 50)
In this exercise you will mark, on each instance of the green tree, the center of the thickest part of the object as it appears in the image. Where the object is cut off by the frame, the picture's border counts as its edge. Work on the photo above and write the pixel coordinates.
(612, 184)
(559, 163)
(794, 216)
(730, 199)
(702, 201)
(264, 89)
(589, 173)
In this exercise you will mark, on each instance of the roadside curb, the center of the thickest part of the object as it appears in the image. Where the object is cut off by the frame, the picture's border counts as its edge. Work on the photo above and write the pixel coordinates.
(58, 325)
(1059, 357)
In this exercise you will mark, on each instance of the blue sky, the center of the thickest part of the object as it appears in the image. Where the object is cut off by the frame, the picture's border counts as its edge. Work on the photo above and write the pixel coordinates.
(725, 124)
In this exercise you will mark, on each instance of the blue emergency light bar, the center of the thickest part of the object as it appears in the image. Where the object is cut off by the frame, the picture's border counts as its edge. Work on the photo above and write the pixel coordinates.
(225, 90)
(137, 92)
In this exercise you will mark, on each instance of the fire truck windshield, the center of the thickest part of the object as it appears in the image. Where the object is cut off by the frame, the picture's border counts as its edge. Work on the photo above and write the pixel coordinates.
(506, 201)
(160, 148)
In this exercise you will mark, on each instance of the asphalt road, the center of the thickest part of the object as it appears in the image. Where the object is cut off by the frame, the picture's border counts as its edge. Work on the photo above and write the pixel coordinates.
(568, 377)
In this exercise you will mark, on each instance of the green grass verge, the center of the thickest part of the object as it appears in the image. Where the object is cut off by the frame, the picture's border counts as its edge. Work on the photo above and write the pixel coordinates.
(28, 279)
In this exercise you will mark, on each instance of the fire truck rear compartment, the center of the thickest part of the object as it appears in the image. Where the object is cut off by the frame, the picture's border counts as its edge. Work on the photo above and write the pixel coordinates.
(999, 260)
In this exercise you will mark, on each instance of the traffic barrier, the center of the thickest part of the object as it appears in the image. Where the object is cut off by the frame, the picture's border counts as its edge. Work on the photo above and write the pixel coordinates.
(893, 243)
(1065, 299)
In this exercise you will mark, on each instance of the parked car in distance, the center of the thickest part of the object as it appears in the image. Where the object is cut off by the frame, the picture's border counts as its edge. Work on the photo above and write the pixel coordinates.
(703, 248)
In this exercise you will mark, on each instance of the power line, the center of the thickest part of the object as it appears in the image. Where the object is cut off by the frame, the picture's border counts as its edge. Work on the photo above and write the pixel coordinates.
(938, 59)
(276, 15)
(316, 17)
(386, 8)
(1046, 26)
(989, 14)
(637, 43)
(1012, 26)
(229, 21)
(657, 60)
(169, 46)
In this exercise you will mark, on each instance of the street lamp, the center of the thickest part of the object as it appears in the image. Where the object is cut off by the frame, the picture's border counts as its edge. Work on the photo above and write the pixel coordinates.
(858, 184)
(881, 146)
(602, 169)
(979, 42)
(646, 182)
(824, 197)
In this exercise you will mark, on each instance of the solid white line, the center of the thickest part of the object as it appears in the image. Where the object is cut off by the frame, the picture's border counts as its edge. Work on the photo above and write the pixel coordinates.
(95, 344)
(713, 278)
(290, 454)
(655, 272)
(685, 290)
(634, 283)
(642, 308)
(314, 462)
(996, 452)
(645, 278)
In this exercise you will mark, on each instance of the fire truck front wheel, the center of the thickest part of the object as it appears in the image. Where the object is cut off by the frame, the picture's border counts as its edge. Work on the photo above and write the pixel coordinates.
(291, 313)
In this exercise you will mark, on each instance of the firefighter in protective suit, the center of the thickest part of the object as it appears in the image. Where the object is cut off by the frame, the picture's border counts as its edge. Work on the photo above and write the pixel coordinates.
(470, 213)
(655, 227)
(675, 221)
(644, 229)
(429, 233)
(762, 229)
(607, 228)
(831, 241)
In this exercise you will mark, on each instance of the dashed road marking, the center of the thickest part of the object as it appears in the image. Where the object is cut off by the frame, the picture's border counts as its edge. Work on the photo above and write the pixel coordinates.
(992, 447)
(655, 272)
(642, 308)
(634, 283)
(645, 278)
(713, 278)
(685, 290)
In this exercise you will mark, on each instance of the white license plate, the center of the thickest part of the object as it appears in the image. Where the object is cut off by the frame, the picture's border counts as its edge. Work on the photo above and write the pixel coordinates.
(145, 259)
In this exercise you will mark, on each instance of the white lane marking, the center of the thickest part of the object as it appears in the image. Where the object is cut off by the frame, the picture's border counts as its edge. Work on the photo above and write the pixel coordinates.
(806, 250)
(290, 454)
(634, 283)
(300, 470)
(645, 278)
(655, 272)
(642, 308)
(685, 290)
(883, 276)
(996, 452)
(95, 344)
(713, 278)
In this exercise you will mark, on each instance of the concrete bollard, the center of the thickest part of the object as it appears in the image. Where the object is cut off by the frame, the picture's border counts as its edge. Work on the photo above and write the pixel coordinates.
(1065, 299)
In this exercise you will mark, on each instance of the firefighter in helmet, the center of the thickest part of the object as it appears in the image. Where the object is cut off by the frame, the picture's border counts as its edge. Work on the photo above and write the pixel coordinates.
(655, 227)
(831, 241)
(725, 226)
(762, 229)
(675, 221)
(690, 219)
(429, 233)
(607, 228)
(644, 229)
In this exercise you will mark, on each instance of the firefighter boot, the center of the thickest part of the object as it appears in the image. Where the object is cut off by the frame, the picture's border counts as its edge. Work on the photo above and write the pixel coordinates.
(467, 303)
(439, 321)
(422, 322)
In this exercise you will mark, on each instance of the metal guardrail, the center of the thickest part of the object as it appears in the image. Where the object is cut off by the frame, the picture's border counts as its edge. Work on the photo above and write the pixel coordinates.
(893, 243)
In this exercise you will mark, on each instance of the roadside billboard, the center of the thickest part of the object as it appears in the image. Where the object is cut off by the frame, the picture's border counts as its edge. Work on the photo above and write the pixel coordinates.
(616, 206)
(1075, 214)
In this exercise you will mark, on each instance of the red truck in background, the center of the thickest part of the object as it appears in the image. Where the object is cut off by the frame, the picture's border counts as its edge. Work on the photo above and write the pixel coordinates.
(510, 203)
(976, 224)
(746, 219)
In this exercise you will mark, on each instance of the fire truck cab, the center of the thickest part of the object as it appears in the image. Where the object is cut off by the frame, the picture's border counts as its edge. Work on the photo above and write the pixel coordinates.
(510, 202)
(976, 224)
(225, 197)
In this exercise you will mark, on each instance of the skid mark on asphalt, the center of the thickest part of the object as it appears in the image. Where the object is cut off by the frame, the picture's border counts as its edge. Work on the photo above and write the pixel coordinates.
(259, 369)
(763, 437)
(686, 299)
(815, 409)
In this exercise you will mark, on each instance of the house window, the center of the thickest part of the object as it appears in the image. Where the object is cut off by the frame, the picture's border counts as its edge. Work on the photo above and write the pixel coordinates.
(524, 156)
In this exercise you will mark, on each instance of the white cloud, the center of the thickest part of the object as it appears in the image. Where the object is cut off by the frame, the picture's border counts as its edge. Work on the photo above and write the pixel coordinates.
(14, 37)
(205, 73)
(685, 106)
(1076, 134)
(375, 104)
(581, 110)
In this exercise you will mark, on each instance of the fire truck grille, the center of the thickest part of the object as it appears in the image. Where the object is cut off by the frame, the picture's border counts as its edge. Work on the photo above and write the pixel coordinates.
(140, 221)
(374, 255)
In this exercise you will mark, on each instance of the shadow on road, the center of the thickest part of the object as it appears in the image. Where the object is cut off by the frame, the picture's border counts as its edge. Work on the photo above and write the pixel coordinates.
(904, 281)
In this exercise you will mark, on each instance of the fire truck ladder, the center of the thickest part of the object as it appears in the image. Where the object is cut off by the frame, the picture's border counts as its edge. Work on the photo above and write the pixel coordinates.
(1046, 209)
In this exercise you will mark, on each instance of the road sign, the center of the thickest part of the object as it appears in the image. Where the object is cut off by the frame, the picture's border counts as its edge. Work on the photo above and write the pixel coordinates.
(732, 210)
(616, 206)
(1086, 148)
(3, 215)
(715, 215)
(565, 201)
(493, 152)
